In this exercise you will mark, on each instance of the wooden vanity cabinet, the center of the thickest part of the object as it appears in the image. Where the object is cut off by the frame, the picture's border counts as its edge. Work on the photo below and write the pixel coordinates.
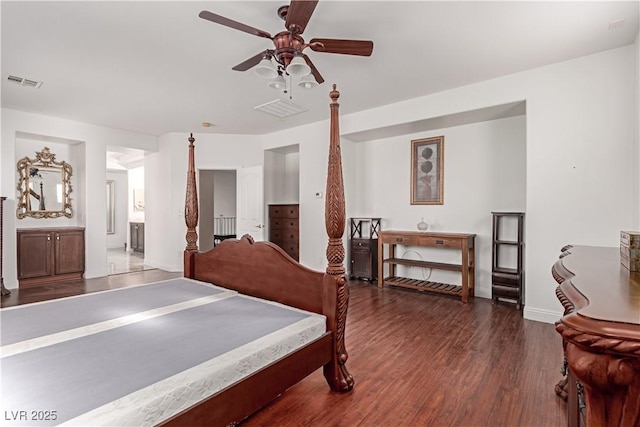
(48, 255)
(136, 230)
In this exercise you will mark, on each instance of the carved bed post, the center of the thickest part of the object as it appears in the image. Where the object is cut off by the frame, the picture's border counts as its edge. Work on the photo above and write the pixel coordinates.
(191, 212)
(336, 371)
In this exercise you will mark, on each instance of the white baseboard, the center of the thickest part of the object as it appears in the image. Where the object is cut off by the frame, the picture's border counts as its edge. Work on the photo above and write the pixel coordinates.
(175, 268)
(540, 315)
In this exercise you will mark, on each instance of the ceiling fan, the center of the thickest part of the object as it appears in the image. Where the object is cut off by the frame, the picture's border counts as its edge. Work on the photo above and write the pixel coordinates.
(289, 44)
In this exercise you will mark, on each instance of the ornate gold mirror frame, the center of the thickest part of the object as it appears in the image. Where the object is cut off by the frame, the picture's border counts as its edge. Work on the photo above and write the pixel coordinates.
(44, 186)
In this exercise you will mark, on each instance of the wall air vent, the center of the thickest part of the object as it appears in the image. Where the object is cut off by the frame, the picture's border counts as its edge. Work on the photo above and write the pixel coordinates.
(280, 108)
(24, 82)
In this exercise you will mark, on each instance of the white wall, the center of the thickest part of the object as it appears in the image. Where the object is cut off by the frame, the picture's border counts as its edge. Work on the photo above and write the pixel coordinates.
(89, 193)
(581, 166)
(313, 141)
(579, 156)
(121, 207)
(166, 178)
(224, 193)
(282, 177)
(136, 184)
(580, 149)
(291, 188)
(484, 171)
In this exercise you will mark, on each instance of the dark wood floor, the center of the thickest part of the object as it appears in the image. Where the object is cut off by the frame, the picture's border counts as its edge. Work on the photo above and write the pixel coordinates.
(418, 360)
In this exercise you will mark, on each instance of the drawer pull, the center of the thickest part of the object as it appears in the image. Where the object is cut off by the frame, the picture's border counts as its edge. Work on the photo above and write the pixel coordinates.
(439, 242)
(399, 239)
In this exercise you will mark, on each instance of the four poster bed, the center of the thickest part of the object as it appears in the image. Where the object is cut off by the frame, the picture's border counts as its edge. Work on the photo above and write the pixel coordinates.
(244, 324)
(263, 270)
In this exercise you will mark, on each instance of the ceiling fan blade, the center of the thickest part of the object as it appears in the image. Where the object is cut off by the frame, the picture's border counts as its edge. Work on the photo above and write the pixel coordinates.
(314, 70)
(299, 14)
(251, 62)
(209, 16)
(345, 47)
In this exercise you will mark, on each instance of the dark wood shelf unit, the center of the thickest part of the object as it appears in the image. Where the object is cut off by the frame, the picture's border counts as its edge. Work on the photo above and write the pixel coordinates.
(463, 242)
(507, 282)
(363, 244)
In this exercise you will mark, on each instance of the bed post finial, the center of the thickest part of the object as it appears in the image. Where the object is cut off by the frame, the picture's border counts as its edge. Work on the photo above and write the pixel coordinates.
(191, 211)
(336, 371)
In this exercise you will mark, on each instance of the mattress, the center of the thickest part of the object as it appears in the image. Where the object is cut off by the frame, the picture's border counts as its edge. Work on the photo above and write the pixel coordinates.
(137, 356)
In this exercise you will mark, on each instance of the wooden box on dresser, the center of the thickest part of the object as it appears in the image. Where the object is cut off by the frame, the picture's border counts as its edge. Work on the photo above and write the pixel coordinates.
(284, 228)
(48, 255)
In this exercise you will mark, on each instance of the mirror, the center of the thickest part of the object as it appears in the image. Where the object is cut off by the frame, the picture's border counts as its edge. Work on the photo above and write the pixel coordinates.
(44, 185)
(111, 213)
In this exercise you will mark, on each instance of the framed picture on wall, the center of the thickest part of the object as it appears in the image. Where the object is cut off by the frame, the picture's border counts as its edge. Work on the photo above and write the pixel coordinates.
(427, 171)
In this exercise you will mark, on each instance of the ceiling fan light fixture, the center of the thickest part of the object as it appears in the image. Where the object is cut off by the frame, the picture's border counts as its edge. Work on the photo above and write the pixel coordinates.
(266, 69)
(298, 67)
(278, 83)
(307, 82)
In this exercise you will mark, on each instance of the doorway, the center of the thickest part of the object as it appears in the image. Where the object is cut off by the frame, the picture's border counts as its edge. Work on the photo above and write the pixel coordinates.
(125, 208)
(217, 201)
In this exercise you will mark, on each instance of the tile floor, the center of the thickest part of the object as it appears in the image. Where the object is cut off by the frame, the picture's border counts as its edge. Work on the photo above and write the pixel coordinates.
(119, 261)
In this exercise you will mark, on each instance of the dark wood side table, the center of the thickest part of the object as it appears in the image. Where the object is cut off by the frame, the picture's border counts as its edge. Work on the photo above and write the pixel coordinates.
(601, 335)
(363, 244)
(4, 290)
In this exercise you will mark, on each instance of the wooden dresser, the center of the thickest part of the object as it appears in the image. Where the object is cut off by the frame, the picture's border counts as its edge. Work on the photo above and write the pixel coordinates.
(601, 333)
(456, 241)
(48, 255)
(284, 228)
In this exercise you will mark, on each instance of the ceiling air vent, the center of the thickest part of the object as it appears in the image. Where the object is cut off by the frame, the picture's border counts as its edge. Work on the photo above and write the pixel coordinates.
(280, 108)
(24, 82)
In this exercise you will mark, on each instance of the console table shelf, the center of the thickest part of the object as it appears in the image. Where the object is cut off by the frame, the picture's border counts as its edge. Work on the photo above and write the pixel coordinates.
(454, 241)
(424, 264)
(423, 285)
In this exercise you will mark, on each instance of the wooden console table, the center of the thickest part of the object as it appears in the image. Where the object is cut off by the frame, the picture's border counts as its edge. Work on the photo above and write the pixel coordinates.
(460, 241)
(601, 333)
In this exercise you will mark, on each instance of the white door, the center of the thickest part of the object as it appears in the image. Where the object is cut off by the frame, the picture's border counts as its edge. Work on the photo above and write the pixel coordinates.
(250, 202)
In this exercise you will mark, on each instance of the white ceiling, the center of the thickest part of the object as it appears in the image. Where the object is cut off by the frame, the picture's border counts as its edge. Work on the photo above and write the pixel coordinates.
(156, 67)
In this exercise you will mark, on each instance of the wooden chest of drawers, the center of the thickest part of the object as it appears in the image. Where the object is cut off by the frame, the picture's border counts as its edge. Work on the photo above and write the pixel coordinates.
(284, 228)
